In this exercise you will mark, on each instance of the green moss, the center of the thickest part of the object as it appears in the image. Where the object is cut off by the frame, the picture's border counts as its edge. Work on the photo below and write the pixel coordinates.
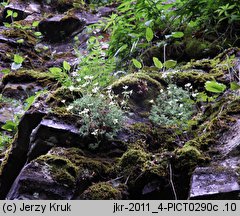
(63, 170)
(63, 96)
(187, 158)
(155, 137)
(195, 77)
(203, 64)
(157, 165)
(5, 160)
(133, 79)
(203, 141)
(234, 107)
(27, 35)
(102, 191)
(22, 76)
(197, 49)
(143, 87)
(99, 166)
(133, 158)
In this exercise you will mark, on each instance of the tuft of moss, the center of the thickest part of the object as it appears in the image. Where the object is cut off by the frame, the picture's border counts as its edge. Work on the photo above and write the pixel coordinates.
(63, 170)
(21, 76)
(133, 79)
(197, 78)
(188, 158)
(102, 191)
(63, 96)
(133, 158)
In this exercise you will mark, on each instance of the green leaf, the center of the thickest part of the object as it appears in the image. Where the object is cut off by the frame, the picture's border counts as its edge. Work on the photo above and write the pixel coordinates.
(5, 71)
(7, 25)
(177, 34)
(137, 63)
(15, 14)
(9, 126)
(157, 63)
(149, 34)
(38, 34)
(215, 87)
(9, 13)
(32, 99)
(66, 66)
(18, 59)
(55, 70)
(170, 64)
(20, 41)
(35, 23)
(234, 86)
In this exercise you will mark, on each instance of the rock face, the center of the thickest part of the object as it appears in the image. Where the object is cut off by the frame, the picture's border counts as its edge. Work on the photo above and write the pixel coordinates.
(48, 157)
(214, 183)
(230, 141)
(61, 27)
(220, 180)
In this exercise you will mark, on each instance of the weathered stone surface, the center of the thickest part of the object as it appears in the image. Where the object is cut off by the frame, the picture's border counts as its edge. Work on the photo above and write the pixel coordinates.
(23, 10)
(17, 156)
(214, 183)
(21, 90)
(230, 141)
(8, 110)
(50, 133)
(61, 27)
(36, 182)
(62, 173)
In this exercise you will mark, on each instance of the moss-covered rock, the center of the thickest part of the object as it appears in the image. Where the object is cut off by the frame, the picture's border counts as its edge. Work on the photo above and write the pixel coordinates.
(143, 88)
(62, 170)
(63, 96)
(27, 76)
(197, 78)
(155, 138)
(187, 158)
(61, 27)
(197, 49)
(102, 191)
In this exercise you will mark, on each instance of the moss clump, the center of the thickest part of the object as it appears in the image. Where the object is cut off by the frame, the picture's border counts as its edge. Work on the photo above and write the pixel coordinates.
(25, 76)
(28, 36)
(133, 158)
(97, 166)
(203, 141)
(133, 79)
(195, 77)
(155, 137)
(158, 165)
(205, 64)
(63, 96)
(5, 159)
(63, 170)
(234, 107)
(102, 191)
(187, 158)
(143, 87)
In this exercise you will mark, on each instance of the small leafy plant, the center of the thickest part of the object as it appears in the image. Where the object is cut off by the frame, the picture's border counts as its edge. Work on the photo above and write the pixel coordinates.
(17, 62)
(61, 74)
(215, 87)
(173, 108)
(95, 64)
(99, 116)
